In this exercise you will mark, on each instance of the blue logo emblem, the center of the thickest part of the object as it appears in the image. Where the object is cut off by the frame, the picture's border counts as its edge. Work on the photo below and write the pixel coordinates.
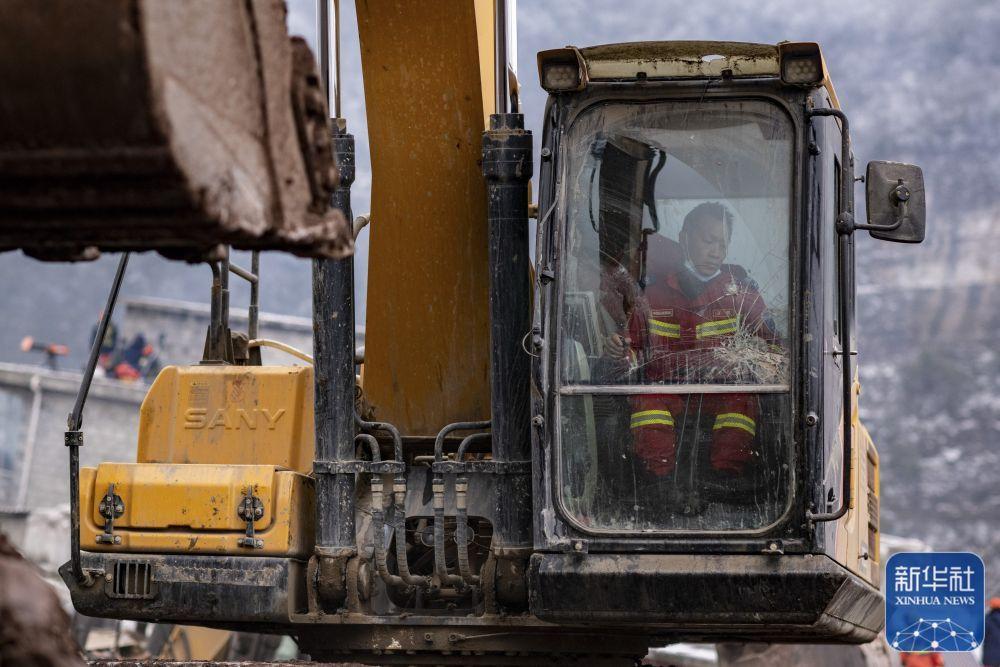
(935, 601)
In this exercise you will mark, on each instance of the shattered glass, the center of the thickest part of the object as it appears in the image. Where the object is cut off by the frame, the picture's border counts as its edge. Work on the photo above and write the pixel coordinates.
(675, 274)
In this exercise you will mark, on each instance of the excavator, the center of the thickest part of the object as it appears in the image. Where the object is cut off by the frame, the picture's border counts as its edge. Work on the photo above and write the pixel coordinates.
(645, 432)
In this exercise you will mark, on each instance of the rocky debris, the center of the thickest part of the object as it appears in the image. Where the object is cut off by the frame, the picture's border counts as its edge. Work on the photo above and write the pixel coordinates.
(34, 629)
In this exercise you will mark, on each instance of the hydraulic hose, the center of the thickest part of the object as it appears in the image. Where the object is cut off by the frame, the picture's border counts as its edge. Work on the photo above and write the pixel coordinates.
(462, 531)
(440, 566)
(437, 485)
(464, 445)
(399, 503)
(450, 428)
(462, 512)
(378, 514)
(397, 439)
(399, 519)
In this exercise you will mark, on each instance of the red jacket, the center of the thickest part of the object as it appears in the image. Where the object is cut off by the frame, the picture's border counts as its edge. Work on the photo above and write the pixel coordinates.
(921, 660)
(686, 318)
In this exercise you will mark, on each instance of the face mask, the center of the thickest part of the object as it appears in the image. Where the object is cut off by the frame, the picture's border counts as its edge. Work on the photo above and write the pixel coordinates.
(690, 267)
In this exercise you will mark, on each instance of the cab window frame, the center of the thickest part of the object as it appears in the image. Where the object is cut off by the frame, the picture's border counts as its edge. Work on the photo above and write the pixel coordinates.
(554, 365)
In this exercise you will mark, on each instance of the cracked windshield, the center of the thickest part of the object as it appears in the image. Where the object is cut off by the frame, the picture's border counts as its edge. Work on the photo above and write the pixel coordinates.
(675, 316)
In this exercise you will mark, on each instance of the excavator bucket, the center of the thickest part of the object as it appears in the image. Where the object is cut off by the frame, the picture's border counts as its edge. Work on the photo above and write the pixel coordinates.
(168, 125)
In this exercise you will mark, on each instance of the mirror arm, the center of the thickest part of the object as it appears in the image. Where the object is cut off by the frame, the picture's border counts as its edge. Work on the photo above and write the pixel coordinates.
(901, 195)
(845, 227)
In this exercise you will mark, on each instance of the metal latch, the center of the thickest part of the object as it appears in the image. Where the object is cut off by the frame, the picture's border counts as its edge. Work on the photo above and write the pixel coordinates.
(111, 507)
(250, 509)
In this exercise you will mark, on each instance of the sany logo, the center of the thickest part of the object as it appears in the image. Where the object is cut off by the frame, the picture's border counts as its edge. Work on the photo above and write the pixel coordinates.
(232, 419)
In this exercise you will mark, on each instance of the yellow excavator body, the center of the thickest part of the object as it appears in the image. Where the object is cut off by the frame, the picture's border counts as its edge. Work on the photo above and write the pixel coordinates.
(208, 437)
(427, 336)
(247, 415)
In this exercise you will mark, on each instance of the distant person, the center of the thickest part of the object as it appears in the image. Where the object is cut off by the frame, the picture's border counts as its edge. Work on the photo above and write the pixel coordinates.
(991, 640)
(132, 360)
(928, 659)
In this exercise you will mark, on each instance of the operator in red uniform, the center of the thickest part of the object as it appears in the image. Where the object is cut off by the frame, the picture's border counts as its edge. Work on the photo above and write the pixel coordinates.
(693, 308)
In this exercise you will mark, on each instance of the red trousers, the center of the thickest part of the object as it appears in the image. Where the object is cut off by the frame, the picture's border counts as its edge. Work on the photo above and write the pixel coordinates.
(657, 418)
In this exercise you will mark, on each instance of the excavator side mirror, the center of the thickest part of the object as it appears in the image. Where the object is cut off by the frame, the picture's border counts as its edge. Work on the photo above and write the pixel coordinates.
(895, 202)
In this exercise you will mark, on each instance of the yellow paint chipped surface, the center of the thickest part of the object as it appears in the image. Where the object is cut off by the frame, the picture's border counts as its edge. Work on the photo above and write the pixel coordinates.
(427, 340)
(190, 508)
(229, 414)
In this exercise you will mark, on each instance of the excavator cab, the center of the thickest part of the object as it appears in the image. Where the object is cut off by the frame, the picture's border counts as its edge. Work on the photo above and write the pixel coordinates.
(704, 470)
(670, 450)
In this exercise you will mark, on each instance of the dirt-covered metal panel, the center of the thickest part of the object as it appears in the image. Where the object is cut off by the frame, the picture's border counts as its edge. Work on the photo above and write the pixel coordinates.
(172, 125)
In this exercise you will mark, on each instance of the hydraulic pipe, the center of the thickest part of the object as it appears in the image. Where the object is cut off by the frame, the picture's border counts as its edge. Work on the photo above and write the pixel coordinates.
(74, 434)
(464, 445)
(462, 511)
(371, 444)
(500, 54)
(507, 166)
(399, 504)
(437, 486)
(224, 284)
(451, 428)
(399, 527)
(333, 354)
(378, 514)
(440, 565)
(323, 40)
(243, 273)
(378, 530)
(397, 439)
(253, 314)
(215, 305)
(462, 530)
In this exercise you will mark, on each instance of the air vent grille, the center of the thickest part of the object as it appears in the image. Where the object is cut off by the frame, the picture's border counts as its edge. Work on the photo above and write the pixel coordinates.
(132, 579)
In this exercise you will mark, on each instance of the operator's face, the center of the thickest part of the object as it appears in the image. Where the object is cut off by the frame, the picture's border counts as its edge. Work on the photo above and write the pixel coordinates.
(707, 245)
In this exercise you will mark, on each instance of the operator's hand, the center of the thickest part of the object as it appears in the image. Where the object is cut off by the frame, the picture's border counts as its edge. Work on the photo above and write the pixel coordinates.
(618, 345)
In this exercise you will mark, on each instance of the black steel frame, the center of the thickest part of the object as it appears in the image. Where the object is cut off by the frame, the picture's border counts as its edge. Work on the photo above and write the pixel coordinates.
(792, 531)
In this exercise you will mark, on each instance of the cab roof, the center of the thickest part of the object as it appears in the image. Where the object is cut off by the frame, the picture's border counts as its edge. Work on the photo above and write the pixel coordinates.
(690, 59)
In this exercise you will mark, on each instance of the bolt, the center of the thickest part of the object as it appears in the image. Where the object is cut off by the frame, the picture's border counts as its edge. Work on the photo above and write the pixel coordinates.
(108, 577)
(118, 540)
(538, 421)
(812, 419)
(546, 153)
(429, 638)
